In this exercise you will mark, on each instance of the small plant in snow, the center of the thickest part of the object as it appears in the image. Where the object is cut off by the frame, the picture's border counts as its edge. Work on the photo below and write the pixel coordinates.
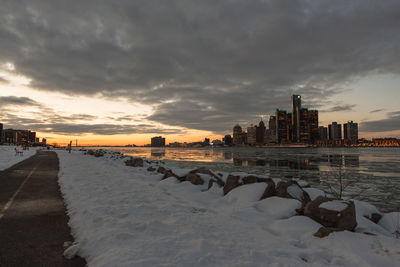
(339, 184)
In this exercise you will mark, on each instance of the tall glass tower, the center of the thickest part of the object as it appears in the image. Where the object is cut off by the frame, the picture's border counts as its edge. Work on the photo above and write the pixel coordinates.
(296, 107)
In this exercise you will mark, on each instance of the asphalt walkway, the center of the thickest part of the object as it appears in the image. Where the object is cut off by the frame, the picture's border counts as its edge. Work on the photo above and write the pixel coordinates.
(33, 220)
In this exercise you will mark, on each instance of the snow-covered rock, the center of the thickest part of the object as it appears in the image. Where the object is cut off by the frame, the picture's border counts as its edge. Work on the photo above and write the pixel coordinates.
(391, 222)
(314, 192)
(245, 194)
(278, 208)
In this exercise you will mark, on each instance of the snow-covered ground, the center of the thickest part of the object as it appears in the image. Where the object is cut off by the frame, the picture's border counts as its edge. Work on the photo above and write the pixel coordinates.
(8, 157)
(127, 216)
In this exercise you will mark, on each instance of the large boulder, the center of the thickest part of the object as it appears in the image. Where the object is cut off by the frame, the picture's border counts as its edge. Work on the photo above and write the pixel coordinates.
(168, 174)
(194, 179)
(211, 183)
(250, 179)
(99, 153)
(203, 170)
(333, 214)
(161, 170)
(291, 189)
(134, 162)
(270, 191)
(151, 169)
(234, 181)
(374, 217)
(231, 182)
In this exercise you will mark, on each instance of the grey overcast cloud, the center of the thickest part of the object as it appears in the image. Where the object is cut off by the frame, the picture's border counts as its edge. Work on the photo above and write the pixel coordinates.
(203, 65)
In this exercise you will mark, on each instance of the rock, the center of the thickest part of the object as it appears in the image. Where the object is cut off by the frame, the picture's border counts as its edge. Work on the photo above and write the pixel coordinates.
(231, 183)
(375, 217)
(98, 153)
(270, 191)
(71, 251)
(211, 183)
(203, 170)
(194, 179)
(169, 173)
(161, 170)
(250, 179)
(151, 169)
(291, 189)
(325, 231)
(337, 220)
(134, 162)
(303, 184)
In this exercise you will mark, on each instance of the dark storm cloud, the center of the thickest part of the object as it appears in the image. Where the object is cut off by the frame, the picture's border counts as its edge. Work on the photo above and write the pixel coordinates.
(100, 129)
(69, 125)
(218, 62)
(48, 121)
(17, 101)
(392, 123)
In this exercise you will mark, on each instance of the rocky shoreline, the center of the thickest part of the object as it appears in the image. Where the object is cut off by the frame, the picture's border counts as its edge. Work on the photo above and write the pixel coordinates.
(332, 213)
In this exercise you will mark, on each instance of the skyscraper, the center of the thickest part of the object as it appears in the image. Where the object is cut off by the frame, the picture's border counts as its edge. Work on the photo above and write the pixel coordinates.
(335, 131)
(237, 138)
(260, 133)
(323, 133)
(350, 131)
(281, 125)
(296, 106)
(272, 124)
(252, 134)
(313, 125)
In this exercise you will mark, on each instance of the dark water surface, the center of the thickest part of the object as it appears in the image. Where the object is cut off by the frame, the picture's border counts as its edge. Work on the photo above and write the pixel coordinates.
(370, 174)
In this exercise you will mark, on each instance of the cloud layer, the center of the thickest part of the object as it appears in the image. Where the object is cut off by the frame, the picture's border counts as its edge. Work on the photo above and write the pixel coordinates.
(201, 64)
(392, 123)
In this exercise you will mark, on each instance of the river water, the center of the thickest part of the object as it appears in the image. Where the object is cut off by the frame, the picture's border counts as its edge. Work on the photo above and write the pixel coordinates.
(370, 174)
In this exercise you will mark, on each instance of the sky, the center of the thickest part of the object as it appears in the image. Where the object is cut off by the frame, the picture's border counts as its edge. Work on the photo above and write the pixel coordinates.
(119, 72)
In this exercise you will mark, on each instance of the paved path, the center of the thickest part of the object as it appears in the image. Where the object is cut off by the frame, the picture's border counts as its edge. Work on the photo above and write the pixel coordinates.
(33, 220)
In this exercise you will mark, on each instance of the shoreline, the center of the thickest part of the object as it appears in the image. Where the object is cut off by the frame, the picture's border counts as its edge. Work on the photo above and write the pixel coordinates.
(197, 225)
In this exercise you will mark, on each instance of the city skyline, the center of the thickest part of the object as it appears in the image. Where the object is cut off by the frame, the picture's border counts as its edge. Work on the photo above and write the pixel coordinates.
(117, 74)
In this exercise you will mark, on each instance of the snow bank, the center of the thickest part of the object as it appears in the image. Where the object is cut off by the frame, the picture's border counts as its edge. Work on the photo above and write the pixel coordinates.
(126, 216)
(8, 157)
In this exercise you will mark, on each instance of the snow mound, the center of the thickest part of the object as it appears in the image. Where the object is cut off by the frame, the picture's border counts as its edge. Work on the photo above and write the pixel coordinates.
(296, 226)
(364, 208)
(278, 208)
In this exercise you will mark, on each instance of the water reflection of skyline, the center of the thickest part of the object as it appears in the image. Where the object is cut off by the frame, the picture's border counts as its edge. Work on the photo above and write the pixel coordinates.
(301, 163)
